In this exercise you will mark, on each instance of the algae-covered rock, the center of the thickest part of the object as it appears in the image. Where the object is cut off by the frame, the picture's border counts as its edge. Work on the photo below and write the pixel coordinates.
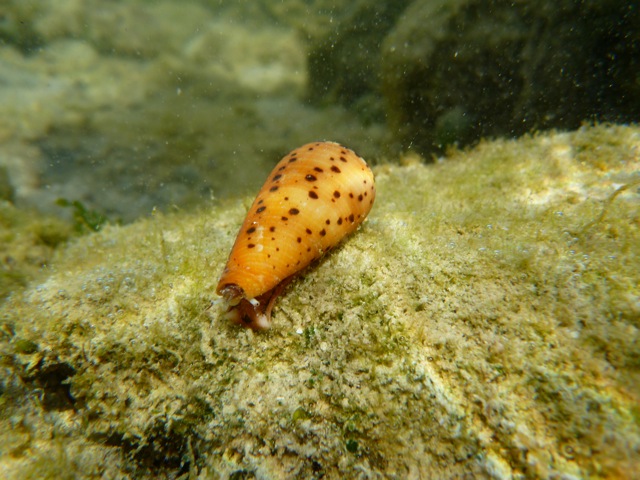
(484, 322)
(27, 243)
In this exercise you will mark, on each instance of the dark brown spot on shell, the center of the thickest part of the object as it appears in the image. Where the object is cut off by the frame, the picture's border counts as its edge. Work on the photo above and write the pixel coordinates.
(251, 230)
(351, 218)
(277, 177)
(272, 229)
(284, 219)
(323, 232)
(310, 178)
(294, 211)
(261, 209)
(291, 160)
(318, 169)
(251, 245)
(299, 240)
(340, 221)
(313, 195)
(327, 221)
(342, 159)
(274, 188)
(336, 194)
(351, 195)
(309, 231)
(360, 197)
(335, 169)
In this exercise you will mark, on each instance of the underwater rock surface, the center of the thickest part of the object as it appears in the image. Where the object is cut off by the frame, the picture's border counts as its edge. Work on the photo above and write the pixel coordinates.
(484, 321)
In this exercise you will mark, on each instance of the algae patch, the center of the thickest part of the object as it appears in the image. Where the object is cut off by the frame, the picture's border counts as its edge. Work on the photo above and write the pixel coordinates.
(28, 241)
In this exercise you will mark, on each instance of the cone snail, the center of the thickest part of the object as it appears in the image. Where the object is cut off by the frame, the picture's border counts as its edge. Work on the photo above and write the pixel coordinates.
(314, 197)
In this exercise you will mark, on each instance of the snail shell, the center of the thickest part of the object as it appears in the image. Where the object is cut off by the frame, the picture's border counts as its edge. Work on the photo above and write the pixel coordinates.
(314, 197)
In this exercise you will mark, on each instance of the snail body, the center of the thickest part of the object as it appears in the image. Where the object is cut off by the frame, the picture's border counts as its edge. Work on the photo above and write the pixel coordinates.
(314, 197)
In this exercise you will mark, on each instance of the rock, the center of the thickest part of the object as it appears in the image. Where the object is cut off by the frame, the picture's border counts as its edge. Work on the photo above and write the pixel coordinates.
(484, 321)
(466, 70)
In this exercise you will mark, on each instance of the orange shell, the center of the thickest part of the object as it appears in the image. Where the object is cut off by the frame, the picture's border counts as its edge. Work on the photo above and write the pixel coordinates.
(313, 198)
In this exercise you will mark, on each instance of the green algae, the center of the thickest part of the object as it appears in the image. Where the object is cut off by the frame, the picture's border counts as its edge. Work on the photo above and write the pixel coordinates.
(473, 325)
(84, 218)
